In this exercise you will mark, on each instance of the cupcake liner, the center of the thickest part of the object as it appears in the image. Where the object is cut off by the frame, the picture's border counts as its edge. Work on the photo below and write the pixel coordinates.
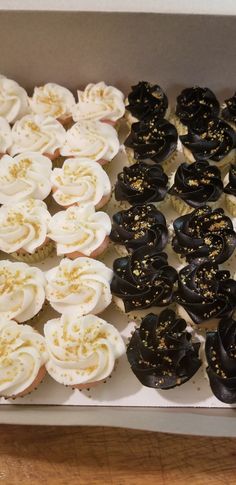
(39, 255)
(180, 127)
(180, 206)
(171, 159)
(230, 204)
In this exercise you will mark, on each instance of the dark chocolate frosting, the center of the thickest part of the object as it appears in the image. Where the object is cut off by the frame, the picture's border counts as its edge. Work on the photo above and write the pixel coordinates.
(161, 352)
(141, 183)
(196, 103)
(206, 292)
(213, 142)
(221, 357)
(141, 225)
(146, 100)
(229, 109)
(152, 139)
(143, 279)
(197, 183)
(231, 186)
(204, 233)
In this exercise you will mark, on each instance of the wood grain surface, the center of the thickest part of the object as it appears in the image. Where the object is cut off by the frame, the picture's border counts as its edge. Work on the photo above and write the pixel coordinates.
(104, 456)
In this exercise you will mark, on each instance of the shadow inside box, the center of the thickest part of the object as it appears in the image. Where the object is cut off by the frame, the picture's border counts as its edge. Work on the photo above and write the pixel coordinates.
(196, 390)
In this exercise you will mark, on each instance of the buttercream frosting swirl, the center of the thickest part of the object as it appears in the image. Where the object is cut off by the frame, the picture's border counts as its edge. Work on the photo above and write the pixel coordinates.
(92, 140)
(79, 229)
(220, 350)
(146, 100)
(197, 183)
(13, 100)
(80, 182)
(22, 290)
(24, 225)
(99, 102)
(80, 286)
(22, 354)
(37, 133)
(230, 180)
(141, 225)
(141, 183)
(51, 99)
(81, 349)
(24, 176)
(206, 292)
(143, 279)
(229, 109)
(195, 104)
(161, 352)
(153, 139)
(5, 135)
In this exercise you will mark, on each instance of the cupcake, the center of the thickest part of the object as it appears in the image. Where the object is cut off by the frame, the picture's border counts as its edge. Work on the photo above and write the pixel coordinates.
(80, 231)
(144, 101)
(24, 176)
(24, 230)
(230, 190)
(206, 293)
(99, 102)
(193, 105)
(91, 140)
(204, 233)
(82, 350)
(22, 359)
(142, 280)
(38, 133)
(5, 136)
(195, 185)
(161, 352)
(141, 225)
(214, 142)
(80, 182)
(141, 183)
(80, 287)
(53, 100)
(221, 357)
(228, 111)
(152, 139)
(22, 291)
(13, 100)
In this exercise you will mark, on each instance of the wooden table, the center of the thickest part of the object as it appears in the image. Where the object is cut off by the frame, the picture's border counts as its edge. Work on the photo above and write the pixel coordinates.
(109, 456)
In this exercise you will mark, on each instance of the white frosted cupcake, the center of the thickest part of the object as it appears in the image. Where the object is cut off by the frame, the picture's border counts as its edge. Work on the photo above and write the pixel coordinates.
(24, 176)
(91, 140)
(79, 287)
(23, 356)
(80, 231)
(53, 100)
(80, 182)
(24, 229)
(82, 350)
(13, 100)
(230, 190)
(38, 133)
(22, 291)
(5, 136)
(99, 102)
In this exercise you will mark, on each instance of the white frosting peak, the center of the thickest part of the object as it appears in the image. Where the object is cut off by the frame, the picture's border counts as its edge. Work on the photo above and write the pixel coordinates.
(79, 229)
(99, 102)
(52, 100)
(13, 100)
(5, 135)
(81, 349)
(92, 140)
(80, 286)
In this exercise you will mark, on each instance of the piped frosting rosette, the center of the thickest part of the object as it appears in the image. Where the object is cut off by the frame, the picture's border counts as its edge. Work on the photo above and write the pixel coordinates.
(81, 350)
(23, 355)
(13, 100)
(52, 100)
(80, 286)
(5, 135)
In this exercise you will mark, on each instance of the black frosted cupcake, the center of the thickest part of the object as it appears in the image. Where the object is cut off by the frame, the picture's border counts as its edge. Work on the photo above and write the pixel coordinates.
(204, 233)
(144, 101)
(195, 185)
(196, 105)
(142, 280)
(214, 142)
(228, 111)
(141, 225)
(230, 190)
(153, 139)
(205, 293)
(141, 183)
(161, 352)
(221, 357)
